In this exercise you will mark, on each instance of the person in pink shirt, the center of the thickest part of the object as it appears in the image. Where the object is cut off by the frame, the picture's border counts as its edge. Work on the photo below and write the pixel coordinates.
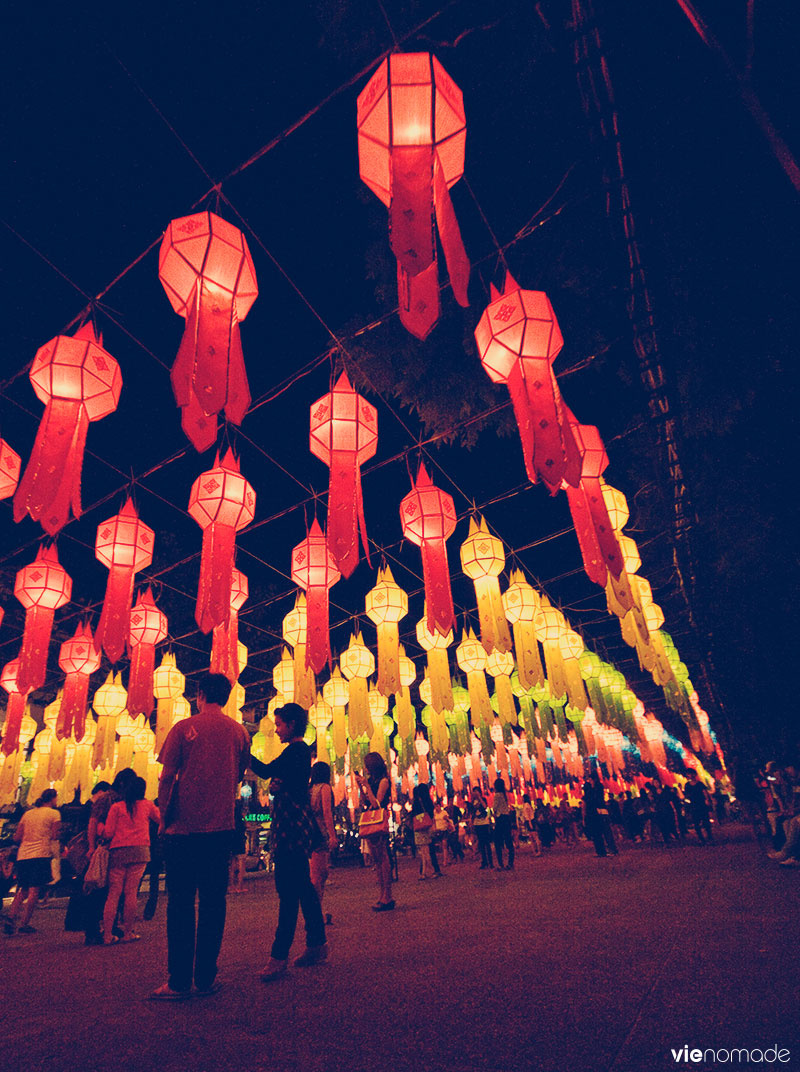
(127, 828)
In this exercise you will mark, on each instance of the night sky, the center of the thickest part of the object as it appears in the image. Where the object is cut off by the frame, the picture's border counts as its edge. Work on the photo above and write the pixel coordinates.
(118, 120)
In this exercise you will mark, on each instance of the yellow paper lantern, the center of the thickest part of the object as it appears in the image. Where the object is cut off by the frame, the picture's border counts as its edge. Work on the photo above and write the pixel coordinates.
(357, 663)
(435, 646)
(336, 692)
(471, 657)
(386, 604)
(482, 560)
(521, 603)
(295, 633)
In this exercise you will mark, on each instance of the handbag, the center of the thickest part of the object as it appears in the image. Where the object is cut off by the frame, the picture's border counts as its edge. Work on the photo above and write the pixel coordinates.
(373, 821)
(78, 852)
(96, 877)
(423, 821)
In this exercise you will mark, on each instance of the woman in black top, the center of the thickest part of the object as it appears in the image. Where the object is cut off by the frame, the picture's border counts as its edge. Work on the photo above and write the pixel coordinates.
(376, 791)
(295, 835)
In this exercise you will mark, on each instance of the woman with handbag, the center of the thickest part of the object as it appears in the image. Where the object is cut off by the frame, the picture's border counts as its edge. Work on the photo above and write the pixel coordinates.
(422, 818)
(373, 825)
(481, 826)
(127, 829)
(295, 835)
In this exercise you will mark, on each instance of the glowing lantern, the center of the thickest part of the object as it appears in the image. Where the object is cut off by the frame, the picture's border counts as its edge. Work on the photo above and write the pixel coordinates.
(206, 269)
(336, 692)
(79, 659)
(283, 677)
(404, 710)
(41, 587)
(428, 517)
(124, 545)
(435, 646)
(222, 503)
(500, 664)
(482, 560)
(109, 703)
(10, 463)
(357, 663)
(15, 708)
(521, 602)
(147, 627)
(79, 382)
(422, 748)
(411, 137)
(598, 541)
(571, 647)
(616, 504)
(295, 631)
(549, 626)
(314, 570)
(344, 435)
(386, 605)
(471, 657)
(518, 339)
(127, 728)
(225, 644)
(378, 705)
(320, 716)
(168, 686)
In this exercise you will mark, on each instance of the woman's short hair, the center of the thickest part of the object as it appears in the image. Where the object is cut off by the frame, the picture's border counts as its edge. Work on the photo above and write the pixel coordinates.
(320, 774)
(295, 716)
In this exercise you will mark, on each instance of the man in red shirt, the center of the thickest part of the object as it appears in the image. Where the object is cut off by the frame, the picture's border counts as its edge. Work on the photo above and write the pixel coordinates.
(204, 759)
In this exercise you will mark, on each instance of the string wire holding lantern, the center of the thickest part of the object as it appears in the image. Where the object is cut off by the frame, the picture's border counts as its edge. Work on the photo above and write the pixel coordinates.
(482, 560)
(205, 267)
(124, 545)
(147, 628)
(344, 435)
(428, 517)
(314, 570)
(78, 382)
(42, 587)
(386, 605)
(222, 503)
(411, 137)
(225, 642)
(79, 659)
(518, 340)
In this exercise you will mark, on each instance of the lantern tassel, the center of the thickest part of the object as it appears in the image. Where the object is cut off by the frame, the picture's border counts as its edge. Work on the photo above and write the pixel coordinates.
(438, 596)
(594, 564)
(318, 652)
(216, 574)
(140, 683)
(35, 645)
(112, 631)
(52, 478)
(458, 266)
(15, 709)
(388, 658)
(72, 714)
(344, 511)
(412, 238)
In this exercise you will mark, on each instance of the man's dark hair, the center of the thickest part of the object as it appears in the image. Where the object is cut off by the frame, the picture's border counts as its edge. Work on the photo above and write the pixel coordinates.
(215, 687)
(295, 716)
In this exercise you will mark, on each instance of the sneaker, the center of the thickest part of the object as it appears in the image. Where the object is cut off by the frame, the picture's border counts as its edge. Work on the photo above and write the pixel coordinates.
(314, 954)
(276, 969)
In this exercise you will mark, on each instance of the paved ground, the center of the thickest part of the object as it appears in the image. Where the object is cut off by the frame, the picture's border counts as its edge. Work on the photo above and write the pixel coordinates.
(568, 963)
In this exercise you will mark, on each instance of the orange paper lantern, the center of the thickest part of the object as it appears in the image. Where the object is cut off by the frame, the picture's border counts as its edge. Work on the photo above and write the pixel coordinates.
(79, 659)
(206, 269)
(411, 137)
(344, 435)
(15, 707)
(10, 463)
(221, 502)
(41, 587)
(314, 569)
(148, 627)
(518, 340)
(225, 645)
(428, 517)
(79, 382)
(596, 537)
(124, 545)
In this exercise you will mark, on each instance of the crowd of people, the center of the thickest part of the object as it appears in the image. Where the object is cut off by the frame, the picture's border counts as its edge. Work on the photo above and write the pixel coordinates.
(197, 830)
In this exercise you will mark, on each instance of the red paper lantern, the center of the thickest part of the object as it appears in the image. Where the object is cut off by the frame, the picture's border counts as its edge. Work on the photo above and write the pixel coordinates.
(518, 339)
(41, 587)
(344, 435)
(79, 659)
(222, 503)
(79, 382)
(10, 463)
(124, 545)
(428, 517)
(225, 645)
(206, 269)
(598, 541)
(314, 569)
(148, 627)
(411, 137)
(15, 708)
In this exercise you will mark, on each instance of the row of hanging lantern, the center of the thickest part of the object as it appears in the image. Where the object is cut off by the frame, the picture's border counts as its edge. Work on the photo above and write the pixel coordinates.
(411, 137)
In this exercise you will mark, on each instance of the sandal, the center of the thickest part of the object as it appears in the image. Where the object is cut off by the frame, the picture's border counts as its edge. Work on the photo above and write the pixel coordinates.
(131, 938)
(113, 940)
(166, 993)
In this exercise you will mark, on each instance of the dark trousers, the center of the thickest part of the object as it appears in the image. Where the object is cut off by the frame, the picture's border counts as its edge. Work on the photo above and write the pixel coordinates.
(702, 826)
(295, 891)
(599, 830)
(484, 836)
(503, 837)
(197, 869)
